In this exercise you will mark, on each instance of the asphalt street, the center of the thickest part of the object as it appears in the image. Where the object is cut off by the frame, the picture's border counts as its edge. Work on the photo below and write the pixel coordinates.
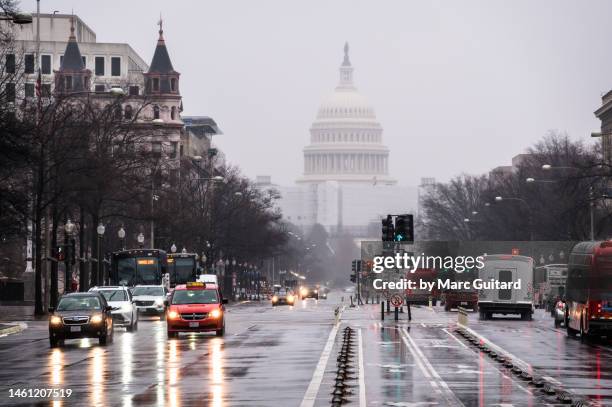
(291, 356)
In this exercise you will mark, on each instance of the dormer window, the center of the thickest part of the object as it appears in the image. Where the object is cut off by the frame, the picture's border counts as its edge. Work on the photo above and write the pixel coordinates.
(155, 112)
(128, 112)
(156, 84)
(68, 82)
(173, 84)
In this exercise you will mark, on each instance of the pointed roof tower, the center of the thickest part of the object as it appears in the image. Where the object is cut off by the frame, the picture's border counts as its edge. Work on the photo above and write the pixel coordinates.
(72, 75)
(72, 60)
(161, 59)
(346, 71)
(161, 77)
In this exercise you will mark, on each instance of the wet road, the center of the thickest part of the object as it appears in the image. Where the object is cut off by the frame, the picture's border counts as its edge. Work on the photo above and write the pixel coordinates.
(290, 356)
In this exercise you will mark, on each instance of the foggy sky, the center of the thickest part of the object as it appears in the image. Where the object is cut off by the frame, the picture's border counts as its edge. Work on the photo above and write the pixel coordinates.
(458, 86)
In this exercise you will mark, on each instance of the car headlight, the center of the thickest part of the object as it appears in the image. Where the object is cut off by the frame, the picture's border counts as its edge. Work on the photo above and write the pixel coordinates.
(304, 291)
(159, 302)
(290, 298)
(316, 291)
(216, 313)
(55, 320)
(275, 298)
(96, 319)
(173, 315)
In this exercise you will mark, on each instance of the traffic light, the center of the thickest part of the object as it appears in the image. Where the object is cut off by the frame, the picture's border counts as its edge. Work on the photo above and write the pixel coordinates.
(404, 229)
(354, 266)
(387, 229)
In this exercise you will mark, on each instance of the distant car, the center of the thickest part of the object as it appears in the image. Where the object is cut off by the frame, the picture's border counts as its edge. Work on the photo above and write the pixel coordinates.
(150, 299)
(195, 307)
(309, 292)
(559, 313)
(283, 296)
(124, 310)
(80, 315)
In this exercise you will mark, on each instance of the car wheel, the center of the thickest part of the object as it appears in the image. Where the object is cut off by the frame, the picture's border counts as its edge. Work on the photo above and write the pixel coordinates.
(220, 332)
(53, 343)
(557, 323)
(172, 334)
(103, 340)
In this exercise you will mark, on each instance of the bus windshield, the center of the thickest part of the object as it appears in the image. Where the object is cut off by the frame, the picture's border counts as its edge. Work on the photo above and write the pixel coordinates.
(184, 268)
(138, 270)
(148, 270)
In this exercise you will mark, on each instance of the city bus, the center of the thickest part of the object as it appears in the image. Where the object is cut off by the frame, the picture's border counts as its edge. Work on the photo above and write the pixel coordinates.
(588, 289)
(138, 266)
(506, 269)
(182, 267)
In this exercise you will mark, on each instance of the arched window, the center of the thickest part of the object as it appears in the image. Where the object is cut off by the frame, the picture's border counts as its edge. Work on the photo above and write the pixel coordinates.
(155, 112)
(173, 113)
(127, 112)
(173, 84)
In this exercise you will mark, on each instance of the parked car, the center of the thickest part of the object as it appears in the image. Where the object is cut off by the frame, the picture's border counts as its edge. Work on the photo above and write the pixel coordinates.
(80, 315)
(124, 310)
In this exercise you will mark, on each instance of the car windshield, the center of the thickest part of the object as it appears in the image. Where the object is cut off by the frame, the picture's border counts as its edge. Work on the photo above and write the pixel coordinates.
(195, 297)
(114, 295)
(155, 291)
(78, 303)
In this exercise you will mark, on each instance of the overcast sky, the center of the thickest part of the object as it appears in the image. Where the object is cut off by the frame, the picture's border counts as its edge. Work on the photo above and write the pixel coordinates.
(458, 86)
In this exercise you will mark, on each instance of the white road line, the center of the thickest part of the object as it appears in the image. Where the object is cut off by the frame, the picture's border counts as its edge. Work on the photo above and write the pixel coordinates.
(362, 388)
(453, 336)
(416, 352)
(499, 349)
(317, 376)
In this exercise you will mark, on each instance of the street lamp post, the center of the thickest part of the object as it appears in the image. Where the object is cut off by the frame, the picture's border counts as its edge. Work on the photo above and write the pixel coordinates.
(69, 229)
(141, 239)
(548, 167)
(100, 229)
(530, 217)
(121, 235)
(173, 248)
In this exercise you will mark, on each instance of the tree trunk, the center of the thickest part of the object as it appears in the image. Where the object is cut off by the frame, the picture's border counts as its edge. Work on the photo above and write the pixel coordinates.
(83, 275)
(95, 266)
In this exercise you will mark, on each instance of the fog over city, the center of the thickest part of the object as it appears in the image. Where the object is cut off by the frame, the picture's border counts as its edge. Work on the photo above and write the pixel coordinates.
(448, 80)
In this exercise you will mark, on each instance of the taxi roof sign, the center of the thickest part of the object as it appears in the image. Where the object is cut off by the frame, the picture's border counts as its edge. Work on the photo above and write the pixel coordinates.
(194, 284)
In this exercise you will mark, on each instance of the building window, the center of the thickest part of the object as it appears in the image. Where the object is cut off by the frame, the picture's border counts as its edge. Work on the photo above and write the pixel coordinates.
(156, 148)
(134, 90)
(99, 62)
(115, 66)
(155, 112)
(173, 113)
(181, 150)
(99, 88)
(173, 149)
(29, 90)
(45, 90)
(128, 112)
(9, 92)
(45, 64)
(29, 63)
(156, 84)
(173, 84)
(9, 67)
(68, 83)
(84, 58)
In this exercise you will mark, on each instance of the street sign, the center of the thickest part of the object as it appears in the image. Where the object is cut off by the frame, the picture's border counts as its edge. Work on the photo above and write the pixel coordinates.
(397, 300)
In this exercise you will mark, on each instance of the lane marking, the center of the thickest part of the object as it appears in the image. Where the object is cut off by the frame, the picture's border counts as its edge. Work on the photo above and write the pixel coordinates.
(317, 376)
(453, 336)
(448, 394)
(362, 389)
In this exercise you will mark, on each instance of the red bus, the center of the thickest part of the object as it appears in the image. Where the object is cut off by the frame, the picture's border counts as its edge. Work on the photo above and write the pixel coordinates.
(588, 289)
(418, 295)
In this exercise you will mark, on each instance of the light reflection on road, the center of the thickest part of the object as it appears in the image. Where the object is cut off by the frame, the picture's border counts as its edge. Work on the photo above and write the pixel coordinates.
(96, 375)
(216, 367)
(174, 374)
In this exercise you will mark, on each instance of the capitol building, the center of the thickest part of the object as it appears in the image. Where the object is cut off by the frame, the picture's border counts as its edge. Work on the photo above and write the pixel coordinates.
(346, 186)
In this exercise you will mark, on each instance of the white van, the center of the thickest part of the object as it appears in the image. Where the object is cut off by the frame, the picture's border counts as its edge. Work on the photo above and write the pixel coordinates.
(506, 268)
(208, 279)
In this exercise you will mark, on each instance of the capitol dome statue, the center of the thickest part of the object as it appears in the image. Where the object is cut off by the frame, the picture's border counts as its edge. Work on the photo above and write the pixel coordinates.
(345, 139)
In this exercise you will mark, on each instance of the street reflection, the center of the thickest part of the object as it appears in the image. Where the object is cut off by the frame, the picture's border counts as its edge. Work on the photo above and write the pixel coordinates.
(174, 374)
(160, 347)
(56, 363)
(126, 359)
(216, 372)
(96, 375)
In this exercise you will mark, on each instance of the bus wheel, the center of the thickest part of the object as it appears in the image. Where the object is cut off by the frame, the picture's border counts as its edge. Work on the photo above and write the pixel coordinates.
(571, 332)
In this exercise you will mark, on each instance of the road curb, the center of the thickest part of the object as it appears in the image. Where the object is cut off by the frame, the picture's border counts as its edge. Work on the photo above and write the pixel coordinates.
(13, 329)
(520, 368)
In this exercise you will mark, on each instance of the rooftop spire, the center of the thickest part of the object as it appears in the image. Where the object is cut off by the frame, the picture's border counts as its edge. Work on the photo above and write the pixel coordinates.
(72, 27)
(72, 60)
(346, 70)
(347, 61)
(161, 28)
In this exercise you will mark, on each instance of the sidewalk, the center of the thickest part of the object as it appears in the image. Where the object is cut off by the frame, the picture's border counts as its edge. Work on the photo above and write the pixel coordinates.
(9, 313)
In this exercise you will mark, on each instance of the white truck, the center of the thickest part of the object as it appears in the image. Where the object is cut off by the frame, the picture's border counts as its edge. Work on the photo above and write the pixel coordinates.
(518, 299)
